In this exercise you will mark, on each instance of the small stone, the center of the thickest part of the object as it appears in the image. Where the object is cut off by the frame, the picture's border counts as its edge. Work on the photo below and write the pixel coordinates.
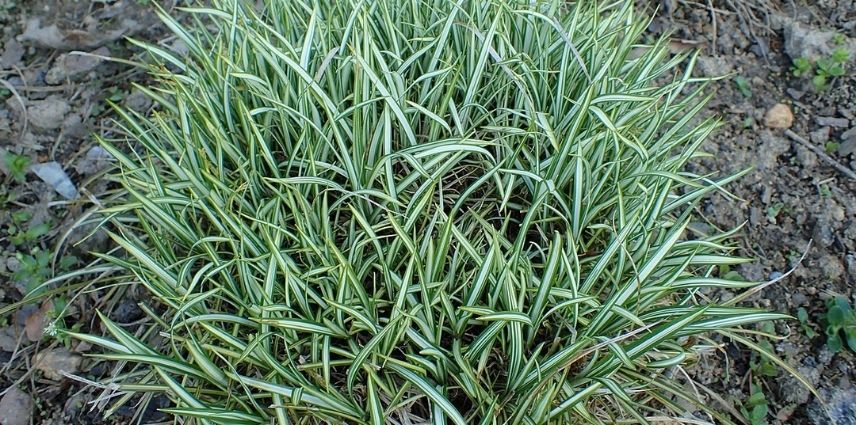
(820, 136)
(16, 407)
(48, 114)
(34, 325)
(779, 116)
(57, 362)
(833, 122)
(53, 174)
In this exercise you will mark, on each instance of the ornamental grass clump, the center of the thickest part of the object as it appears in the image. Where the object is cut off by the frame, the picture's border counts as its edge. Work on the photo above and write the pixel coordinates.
(457, 212)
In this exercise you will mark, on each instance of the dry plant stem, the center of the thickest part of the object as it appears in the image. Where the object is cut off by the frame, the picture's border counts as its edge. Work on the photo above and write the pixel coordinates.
(843, 169)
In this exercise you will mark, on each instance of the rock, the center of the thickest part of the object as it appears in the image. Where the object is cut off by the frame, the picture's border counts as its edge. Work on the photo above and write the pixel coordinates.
(53, 174)
(13, 52)
(56, 362)
(127, 311)
(793, 391)
(807, 158)
(73, 67)
(138, 101)
(714, 66)
(794, 93)
(820, 136)
(16, 407)
(835, 212)
(73, 126)
(803, 41)
(12, 264)
(47, 114)
(833, 122)
(779, 116)
(52, 37)
(771, 148)
(840, 408)
(823, 233)
(8, 341)
(848, 142)
(831, 266)
(752, 271)
(34, 325)
(96, 159)
(851, 264)
(5, 125)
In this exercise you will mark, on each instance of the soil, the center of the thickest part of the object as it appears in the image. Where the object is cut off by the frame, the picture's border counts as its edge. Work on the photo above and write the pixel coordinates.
(798, 211)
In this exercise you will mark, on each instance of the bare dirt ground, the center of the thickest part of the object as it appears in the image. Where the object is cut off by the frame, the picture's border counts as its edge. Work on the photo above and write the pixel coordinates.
(802, 188)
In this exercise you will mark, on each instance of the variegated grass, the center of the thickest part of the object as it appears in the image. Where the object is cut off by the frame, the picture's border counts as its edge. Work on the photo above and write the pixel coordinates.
(381, 211)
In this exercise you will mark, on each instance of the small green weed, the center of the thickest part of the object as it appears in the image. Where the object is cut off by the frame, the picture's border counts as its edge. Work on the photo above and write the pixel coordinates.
(743, 86)
(824, 69)
(801, 67)
(802, 316)
(760, 365)
(840, 323)
(773, 211)
(20, 236)
(17, 166)
(755, 409)
(831, 147)
(34, 268)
